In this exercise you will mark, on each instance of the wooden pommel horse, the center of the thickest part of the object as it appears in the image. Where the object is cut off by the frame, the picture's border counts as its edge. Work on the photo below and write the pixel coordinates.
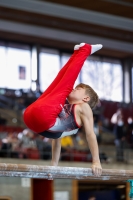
(51, 172)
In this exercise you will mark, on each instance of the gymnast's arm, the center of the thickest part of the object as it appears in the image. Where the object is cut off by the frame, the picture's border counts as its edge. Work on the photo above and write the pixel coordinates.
(56, 148)
(87, 120)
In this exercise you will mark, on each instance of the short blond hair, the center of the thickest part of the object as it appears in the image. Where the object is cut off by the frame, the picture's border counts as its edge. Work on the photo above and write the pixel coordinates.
(94, 99)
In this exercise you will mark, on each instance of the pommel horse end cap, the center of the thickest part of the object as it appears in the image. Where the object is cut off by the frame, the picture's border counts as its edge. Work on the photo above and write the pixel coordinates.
(51, 172)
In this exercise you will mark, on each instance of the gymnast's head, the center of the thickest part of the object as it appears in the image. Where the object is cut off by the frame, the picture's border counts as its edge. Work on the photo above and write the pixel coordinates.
(84, 94)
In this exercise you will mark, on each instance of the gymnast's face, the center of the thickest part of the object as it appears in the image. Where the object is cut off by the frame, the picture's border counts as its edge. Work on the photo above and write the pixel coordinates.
(78, 95)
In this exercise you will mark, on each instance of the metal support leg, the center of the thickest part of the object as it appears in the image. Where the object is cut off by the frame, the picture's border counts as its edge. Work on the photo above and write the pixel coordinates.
(131, 189)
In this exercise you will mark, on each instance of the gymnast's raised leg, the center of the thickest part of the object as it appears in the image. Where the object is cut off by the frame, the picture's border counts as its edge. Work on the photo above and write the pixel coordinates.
(42, 114)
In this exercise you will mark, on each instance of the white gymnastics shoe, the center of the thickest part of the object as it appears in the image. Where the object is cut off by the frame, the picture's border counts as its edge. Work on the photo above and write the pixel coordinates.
(76, 47)
(95, 47)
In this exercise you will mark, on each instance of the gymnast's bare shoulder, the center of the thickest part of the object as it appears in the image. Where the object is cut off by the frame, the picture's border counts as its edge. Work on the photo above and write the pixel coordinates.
(83, 113)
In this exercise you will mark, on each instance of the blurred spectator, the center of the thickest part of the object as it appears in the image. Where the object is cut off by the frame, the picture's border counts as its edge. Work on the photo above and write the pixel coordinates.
(24, 144)
(44, 147)
(66, 142)
(130, 130)
(119, 131)
(27, 143)
(15, 146)
(6, 146)
(27, 139)
(9, 146)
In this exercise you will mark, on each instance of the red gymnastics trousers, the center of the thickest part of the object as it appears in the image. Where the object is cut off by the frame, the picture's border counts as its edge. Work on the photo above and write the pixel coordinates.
(42, 114)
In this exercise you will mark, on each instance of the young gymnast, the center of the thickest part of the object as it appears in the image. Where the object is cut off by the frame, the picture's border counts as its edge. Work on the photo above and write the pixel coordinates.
(52, 117)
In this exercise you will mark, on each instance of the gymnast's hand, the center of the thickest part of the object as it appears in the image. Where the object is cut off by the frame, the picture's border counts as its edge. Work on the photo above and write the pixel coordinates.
(96, 168)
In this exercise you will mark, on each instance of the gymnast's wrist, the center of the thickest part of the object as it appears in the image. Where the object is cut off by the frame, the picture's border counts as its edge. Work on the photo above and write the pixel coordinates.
(96, 162)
